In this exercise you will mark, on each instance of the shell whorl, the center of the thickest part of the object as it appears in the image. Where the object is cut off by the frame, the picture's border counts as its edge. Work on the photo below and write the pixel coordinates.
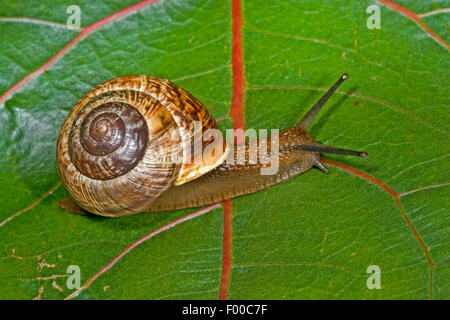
(127, 140)
(115, 133)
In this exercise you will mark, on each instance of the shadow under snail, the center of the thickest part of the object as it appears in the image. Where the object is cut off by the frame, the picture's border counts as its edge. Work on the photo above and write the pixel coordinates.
(116, 148)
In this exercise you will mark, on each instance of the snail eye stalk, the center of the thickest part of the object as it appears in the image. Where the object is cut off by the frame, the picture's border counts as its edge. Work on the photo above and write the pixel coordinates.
(307, 120)
(332, 150)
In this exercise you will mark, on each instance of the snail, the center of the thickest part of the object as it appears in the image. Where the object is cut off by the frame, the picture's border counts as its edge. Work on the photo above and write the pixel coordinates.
(127, 147)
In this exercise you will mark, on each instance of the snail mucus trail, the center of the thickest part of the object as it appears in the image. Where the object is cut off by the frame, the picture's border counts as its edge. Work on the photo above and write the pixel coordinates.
(118, 179)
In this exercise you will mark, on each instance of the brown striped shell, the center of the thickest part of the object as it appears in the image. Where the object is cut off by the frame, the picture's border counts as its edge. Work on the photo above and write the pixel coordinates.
(128, 140)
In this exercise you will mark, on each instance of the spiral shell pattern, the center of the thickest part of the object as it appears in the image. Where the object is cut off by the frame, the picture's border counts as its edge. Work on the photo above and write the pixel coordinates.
(127, 140)
(115, 133)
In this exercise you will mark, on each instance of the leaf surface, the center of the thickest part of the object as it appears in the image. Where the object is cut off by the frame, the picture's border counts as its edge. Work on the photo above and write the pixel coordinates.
(312, 237)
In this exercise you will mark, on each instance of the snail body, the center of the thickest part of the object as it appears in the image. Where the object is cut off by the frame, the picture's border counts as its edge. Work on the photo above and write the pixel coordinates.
(230, 180)
(127, 147)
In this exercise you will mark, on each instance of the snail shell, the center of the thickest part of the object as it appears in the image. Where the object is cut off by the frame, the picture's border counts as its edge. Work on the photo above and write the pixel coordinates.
(128, 140)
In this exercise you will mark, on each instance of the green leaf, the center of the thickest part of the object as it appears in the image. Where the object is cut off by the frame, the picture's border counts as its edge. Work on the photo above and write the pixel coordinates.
(317, 233)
